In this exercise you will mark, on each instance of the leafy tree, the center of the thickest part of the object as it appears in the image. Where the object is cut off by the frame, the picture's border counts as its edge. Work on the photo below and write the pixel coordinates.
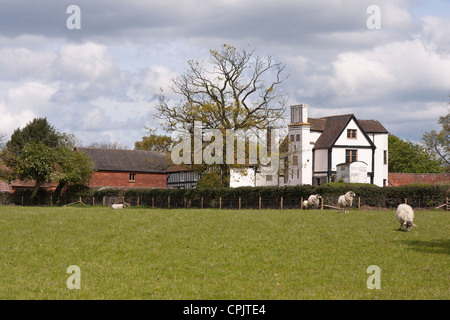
(209, 180)
(71, 167)
(239, 89)
(38, 152)
(107, 145)
(439, 142)
(2, 140)
(154, 142)
(408, 157)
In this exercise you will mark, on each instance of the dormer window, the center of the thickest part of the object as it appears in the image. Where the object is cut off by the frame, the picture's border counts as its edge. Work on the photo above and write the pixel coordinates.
(132, 177)
(351, 133)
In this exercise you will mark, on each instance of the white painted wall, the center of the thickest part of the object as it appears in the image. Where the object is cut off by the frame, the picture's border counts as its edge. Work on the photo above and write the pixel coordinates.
(360, 138)
(381, 170)
(338, 156)
(321, 160)
(242, 177)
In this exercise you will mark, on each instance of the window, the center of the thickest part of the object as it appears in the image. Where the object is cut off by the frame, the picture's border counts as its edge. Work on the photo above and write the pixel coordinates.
(268, 177)
(181, 176)
(295, 160)
(351, 133)
(384, 183)
(385, 156)
(298, 173)
(351, 155)
(297, 137)
(132, 177)
(292, 137)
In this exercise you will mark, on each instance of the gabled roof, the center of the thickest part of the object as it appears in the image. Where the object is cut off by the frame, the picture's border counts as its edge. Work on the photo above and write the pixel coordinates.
(332, 127)
(127, 160)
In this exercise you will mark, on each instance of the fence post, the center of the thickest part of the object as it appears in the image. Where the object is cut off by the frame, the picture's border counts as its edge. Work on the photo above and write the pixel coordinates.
(168, 202)
(301, 203)
(51, 200)
(239, 203)
(220, 202)
(153, 202)
(185, 202)
(137, 202)
(259, 203)
(359, 202)
(202, 203)
(93, 201)
(321, 204)
(406, 201)
(22, 200)
(281, 206)
(104, 200)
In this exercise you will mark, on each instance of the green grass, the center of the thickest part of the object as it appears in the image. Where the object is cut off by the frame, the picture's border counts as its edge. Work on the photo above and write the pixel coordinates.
(220, 254)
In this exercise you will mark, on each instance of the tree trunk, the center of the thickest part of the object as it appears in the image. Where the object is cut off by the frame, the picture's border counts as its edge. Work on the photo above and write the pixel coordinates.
(57, 192)
(36, 188)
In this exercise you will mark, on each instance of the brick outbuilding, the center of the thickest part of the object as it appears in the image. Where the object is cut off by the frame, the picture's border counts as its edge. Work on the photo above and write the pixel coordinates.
(127, 168)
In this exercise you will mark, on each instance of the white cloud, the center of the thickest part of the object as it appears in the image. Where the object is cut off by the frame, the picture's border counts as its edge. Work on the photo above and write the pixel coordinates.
(10, 120)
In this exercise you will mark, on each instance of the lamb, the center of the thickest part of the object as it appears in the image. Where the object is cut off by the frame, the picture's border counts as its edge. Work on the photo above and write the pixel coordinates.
(405, 215)
(346, 201)
(117, 206)
(312, 202)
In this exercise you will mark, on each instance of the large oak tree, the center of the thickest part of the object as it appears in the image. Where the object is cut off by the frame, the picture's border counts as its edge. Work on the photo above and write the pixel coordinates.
(237, 89)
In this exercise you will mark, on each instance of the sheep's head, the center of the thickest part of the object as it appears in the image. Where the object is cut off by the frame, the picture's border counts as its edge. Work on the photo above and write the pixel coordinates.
(409, 225)
(318, 196)
(351, 194)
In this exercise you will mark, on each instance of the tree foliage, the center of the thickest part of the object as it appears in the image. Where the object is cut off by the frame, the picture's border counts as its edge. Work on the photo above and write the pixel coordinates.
(408, 157)
(237, 89)
(38, 152)
(154, 142)
(439, 142)
(209, 180)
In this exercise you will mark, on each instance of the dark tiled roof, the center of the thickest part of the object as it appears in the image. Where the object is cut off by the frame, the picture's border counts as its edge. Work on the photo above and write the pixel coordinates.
(127, 160)
(332, 127)
(372, 126)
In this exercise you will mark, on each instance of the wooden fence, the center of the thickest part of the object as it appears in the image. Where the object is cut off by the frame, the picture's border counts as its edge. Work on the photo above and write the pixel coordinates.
(225, 203)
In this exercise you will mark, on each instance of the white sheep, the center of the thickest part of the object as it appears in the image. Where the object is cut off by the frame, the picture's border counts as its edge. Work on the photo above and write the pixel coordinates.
(346, 201)
(117, 206)
(305, 204)
(313, 201)
(405, 215)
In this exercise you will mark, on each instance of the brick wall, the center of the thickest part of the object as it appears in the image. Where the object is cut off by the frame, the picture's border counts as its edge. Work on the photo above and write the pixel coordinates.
(400, 179)
(5, 187)
(122, 179)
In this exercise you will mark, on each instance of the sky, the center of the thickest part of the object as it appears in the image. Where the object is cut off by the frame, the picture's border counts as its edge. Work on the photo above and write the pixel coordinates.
(99, 82)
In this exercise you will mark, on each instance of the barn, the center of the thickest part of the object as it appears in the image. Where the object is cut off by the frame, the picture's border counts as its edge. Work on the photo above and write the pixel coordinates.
(127, 168)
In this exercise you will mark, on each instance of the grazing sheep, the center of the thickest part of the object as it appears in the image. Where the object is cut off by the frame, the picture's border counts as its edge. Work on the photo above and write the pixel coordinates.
(314, 200)
(117, 206)
(346, 201)
(305, 204)
(405, 215)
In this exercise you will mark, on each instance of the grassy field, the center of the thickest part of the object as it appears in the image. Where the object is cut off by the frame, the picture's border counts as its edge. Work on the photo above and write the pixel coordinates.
(221, 254)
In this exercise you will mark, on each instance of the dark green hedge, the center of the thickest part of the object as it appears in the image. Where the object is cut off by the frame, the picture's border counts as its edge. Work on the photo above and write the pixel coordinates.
(417, 195)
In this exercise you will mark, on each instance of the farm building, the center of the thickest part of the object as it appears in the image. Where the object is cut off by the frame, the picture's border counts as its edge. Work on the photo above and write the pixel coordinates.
(127, 168)
(316, 148)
